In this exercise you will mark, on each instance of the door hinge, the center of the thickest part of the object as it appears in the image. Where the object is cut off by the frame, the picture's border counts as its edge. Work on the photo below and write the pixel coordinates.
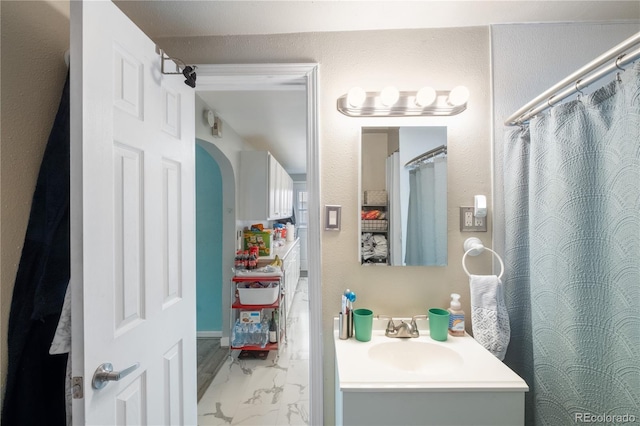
(77, 388)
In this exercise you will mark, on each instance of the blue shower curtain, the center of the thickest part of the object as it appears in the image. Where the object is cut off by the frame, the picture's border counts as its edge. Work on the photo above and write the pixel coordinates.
(427, 216)
(572, 257)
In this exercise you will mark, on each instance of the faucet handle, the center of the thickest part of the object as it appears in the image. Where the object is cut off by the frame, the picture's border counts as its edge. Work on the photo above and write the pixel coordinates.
(391, 327)
(415, 317)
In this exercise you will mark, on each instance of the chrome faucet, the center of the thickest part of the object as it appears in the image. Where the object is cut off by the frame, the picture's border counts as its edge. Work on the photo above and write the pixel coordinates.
(403, 330)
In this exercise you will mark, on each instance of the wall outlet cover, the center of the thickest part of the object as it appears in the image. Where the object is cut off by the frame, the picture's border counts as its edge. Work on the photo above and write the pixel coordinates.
(471, 223)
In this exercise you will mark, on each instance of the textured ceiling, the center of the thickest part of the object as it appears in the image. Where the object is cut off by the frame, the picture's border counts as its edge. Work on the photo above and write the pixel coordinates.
(198, 18)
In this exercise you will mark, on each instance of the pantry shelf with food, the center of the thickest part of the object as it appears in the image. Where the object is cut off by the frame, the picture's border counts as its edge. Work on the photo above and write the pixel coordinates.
(278, 248)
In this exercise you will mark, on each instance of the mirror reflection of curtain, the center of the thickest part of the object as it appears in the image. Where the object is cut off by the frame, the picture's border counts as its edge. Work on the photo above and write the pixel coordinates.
(394, 239)
(427, 218)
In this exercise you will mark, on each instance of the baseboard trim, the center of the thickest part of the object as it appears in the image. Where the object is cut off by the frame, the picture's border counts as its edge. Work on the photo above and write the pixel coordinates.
(205, 334)
(224, 342)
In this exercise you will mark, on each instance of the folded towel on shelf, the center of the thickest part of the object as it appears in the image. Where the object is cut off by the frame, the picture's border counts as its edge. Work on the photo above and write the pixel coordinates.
(374, 246)
(489, 316)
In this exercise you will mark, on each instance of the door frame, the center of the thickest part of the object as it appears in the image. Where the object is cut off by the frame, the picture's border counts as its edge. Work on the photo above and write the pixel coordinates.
(305, 76)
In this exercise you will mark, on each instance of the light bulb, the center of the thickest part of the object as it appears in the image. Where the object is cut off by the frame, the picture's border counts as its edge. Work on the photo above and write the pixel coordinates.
(356, 96)
(458, 96)
(425, 96)
(389, 95)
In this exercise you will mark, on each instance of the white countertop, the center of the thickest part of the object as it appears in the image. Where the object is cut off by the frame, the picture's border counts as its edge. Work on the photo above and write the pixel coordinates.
(283, 250)
(480, 370)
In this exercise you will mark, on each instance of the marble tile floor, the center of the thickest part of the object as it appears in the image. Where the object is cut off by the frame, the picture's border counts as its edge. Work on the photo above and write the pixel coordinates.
(265, 392)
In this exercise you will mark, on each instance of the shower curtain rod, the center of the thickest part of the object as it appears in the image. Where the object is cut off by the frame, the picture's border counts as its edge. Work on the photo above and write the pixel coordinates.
(442, 149)
(578, 80)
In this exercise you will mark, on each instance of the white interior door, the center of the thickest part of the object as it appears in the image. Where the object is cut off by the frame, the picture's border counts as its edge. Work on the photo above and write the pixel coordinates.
(133, 224)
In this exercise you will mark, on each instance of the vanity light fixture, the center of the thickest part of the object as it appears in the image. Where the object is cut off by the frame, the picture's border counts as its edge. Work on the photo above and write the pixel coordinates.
(392, 103)
(426, 96)
(458, 96)
(389, 96)
(356, 97)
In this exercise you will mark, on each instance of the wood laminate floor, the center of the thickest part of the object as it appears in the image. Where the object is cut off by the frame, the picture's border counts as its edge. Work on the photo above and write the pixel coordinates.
(210, 358)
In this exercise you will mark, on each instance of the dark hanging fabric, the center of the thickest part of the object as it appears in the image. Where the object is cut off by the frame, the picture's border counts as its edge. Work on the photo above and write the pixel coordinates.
(35, 386)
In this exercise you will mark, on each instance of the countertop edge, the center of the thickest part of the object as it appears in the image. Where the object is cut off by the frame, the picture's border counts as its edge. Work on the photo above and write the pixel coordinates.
(436, 387)
(346, 381)
(284, 250)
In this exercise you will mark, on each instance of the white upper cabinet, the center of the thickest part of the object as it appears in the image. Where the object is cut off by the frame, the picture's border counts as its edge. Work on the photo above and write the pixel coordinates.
(275, 178)
(266, 189)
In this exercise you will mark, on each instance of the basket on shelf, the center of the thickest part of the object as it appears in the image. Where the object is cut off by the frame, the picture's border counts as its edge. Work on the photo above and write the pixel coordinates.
(375, 197)
(374, 225)
(258, 293)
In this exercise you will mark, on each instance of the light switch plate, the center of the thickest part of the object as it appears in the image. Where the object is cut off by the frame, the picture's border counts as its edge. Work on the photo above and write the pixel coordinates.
(470, 223)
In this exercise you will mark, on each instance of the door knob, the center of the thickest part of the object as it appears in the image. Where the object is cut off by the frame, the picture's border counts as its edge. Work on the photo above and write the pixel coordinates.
(104, 374)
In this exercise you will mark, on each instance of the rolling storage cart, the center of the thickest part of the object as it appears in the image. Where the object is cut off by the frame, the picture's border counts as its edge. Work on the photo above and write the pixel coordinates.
(254, 298)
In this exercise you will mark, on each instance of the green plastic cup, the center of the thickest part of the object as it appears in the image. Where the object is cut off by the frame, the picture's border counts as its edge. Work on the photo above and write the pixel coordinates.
(363, 323)
(438, 324)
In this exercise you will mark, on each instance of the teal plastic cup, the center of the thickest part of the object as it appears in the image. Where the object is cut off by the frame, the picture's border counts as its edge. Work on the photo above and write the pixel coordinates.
(363, 324)
(438, 324)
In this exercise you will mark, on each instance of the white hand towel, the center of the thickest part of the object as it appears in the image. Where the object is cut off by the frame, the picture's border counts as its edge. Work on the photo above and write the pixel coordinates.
(489, 317)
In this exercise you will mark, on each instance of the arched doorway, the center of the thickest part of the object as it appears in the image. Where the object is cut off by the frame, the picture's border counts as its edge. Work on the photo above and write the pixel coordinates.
(215, 224)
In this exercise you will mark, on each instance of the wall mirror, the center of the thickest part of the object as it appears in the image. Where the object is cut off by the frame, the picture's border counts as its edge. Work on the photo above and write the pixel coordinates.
(403, 196)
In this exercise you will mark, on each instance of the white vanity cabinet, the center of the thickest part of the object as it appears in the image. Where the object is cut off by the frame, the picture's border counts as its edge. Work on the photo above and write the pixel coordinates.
(415, 407)
(420, 381)
(292, 273)
(266, 189)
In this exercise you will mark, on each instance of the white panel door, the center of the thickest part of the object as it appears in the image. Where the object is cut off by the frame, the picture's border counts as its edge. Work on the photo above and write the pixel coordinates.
(133, 267)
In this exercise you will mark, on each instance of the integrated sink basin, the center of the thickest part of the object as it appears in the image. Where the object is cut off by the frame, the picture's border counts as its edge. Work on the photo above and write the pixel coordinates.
(393, 381)
(416, 356)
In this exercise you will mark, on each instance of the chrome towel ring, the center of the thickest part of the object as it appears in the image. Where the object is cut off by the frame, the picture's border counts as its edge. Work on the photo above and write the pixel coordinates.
(473, 247)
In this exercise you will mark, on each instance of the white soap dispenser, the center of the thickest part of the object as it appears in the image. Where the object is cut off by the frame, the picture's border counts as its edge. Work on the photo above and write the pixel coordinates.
(456, 316)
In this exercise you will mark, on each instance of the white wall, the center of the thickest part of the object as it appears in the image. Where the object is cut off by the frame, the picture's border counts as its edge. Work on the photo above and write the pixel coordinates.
(230, 144)
(226, 152)
(374, 160)
(410, 59)
(527, 59)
